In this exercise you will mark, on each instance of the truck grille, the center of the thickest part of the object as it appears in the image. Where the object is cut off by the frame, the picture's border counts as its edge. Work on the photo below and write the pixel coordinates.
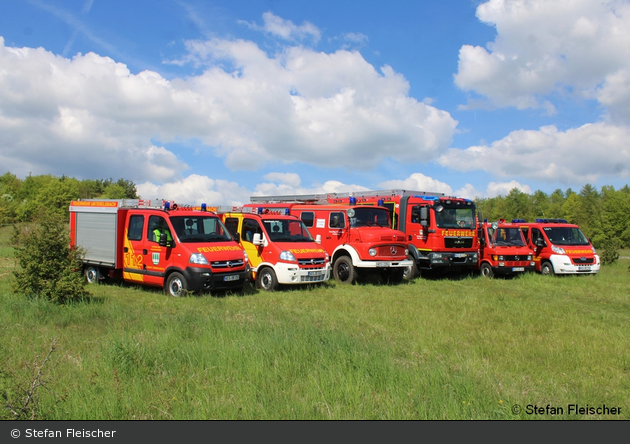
(227, 264)
(311, 262)
(514, 257)
(580, 260)
(312, 278)
(458, 242)
(391, 250)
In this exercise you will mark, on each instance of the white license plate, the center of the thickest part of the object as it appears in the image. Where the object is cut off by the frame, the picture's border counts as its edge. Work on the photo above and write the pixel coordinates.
(460, 254)
(383, 264)
(232, 277)
(584, 268)
(315, 273)
(518, 268)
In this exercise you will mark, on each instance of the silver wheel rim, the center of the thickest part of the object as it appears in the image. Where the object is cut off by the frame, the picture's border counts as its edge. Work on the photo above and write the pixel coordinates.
(91, 275)
(265, 281)
(485, 271)
(176, 287)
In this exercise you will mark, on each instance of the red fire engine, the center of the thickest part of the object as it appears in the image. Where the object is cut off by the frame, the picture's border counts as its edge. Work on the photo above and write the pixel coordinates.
(279, 247)
(356, 238)
(560, 247)
(503, 249)
(180, 249)
(441, 230)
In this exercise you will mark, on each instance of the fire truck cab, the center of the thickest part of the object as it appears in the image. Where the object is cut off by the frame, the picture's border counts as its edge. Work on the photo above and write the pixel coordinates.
(503, 249)
(560, 247)
(441, 230)
(356, 238)
(279, 247)
(178, 248)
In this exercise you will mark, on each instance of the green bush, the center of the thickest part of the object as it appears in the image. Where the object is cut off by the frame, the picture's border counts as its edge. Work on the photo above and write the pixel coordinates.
(610, 253)
(48, 267)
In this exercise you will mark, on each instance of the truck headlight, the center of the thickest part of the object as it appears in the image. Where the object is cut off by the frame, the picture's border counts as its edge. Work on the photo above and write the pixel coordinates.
(557, 250)
(372, 251)
(198, 258)
(287, 256)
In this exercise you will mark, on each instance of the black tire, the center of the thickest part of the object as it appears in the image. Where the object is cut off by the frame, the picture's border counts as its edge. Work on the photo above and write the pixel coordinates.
(393, 276)
(546, 269)
(486, 270)
(344, 271)
(176, 285)
(412, 271)
(266, 280)
(92, 274)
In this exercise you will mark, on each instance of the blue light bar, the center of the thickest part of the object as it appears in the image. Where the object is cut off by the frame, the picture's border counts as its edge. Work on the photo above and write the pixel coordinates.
(353, 200)
(380, 202)
(551, 221)
(517, 221)
(428, 197)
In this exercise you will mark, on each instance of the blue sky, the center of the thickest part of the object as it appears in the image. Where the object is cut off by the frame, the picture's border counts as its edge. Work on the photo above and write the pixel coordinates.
(219, 100)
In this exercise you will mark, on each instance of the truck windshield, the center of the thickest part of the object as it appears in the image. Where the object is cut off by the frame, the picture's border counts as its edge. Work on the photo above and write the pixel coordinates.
(200, 229)
(506, 236)
(456, 218)
(369, 217)
(284, 230)
(565, 236)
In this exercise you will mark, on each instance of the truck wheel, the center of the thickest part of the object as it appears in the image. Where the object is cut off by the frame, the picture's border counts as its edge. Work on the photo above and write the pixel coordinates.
(267, 280)
(344, 271)
(393, 275)
(176, 285)
(91, 274)
(486, 270)
(412, 271)
(547, 269)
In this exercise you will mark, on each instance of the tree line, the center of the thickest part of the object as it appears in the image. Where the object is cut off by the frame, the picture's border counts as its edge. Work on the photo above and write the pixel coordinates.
(603, 216)
(23, 200)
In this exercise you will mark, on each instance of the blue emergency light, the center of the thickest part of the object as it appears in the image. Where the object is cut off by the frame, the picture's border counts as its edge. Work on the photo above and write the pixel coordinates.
(167, 206)
(380, 202)
(428, 197)
(203, 207)
(287, 212)
(353, 200)
(518, 221)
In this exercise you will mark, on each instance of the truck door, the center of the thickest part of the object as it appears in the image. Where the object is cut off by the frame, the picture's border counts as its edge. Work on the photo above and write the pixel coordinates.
(413, 229)
(134, 253)
(535, 235)
(254, 252)
(158, 258)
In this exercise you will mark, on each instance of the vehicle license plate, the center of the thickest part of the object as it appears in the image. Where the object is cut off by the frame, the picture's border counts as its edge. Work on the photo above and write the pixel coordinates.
(518, 268)
(232, 277)
(460, 254)
(584, 268)
(383, 264)
(315, 273)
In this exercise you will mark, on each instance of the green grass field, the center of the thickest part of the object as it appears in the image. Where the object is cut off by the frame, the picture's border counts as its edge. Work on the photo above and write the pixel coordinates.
(467, 348)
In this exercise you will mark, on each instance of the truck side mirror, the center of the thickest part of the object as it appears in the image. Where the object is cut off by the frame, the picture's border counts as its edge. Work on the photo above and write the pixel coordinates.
(424, 216)
(318, 239)
(162, 242)
(540, 242)
(257, 239)
(237, 237)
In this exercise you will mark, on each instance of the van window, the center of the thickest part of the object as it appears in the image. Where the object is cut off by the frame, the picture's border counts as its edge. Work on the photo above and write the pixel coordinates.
(134, 231)
(337, 220)
(308, 217)
(250, 227)
(231, 223)
(536, 234)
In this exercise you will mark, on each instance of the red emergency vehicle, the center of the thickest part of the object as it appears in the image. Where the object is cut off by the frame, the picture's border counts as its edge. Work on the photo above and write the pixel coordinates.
(179, 249)
(560, 247)
(279, 247)
(503, 249)
(357, 238)
(441, 230)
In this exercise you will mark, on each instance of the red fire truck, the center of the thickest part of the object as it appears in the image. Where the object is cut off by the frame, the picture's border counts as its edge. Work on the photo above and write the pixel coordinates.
(279, 247)
(441, 230)
(560, 247)
(178, 248)
(356, 238)
(503, 249)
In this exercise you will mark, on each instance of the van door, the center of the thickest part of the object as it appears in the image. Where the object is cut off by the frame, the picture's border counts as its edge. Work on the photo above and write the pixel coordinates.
(134, 252)
(254, 252)
(158, 258)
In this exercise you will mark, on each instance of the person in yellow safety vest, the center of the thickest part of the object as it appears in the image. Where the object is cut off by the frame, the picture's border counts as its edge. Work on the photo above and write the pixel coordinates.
(160, 229)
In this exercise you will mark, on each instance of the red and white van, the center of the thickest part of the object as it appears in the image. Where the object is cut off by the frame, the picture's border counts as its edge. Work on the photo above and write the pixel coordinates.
(178, 248)
(503, 249)
(560, 247)
(280, 249)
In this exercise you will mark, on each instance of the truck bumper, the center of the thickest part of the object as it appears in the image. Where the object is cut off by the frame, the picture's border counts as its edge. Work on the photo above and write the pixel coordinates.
(291, 274)
(383, 264)
(200, 279)
(562, 265)
(438, 260)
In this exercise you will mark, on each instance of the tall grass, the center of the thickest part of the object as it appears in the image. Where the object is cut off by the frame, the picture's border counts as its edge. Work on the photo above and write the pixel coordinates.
(431, 349)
